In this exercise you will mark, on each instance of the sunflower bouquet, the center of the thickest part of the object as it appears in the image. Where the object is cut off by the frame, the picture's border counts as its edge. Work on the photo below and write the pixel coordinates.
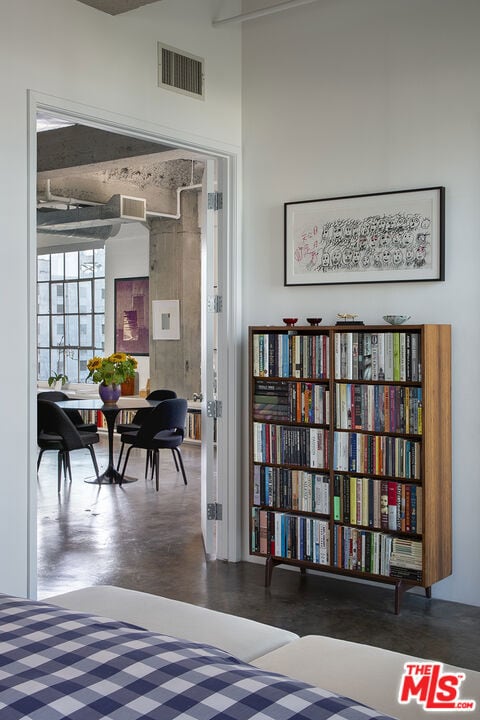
(111, 370)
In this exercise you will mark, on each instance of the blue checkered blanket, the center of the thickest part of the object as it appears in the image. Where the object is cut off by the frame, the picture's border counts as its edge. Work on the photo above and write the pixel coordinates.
(57, 664)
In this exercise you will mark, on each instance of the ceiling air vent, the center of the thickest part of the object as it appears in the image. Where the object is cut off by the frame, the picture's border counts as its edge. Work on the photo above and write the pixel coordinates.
(133, 208)
(180, 71)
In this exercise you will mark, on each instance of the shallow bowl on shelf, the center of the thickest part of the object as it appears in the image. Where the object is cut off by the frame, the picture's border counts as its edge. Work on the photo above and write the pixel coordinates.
(289, 321)
(314, 321)
(396, 319)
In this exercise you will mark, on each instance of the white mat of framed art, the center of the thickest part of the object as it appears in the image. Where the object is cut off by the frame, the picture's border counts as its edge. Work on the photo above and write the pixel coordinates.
(166, 319)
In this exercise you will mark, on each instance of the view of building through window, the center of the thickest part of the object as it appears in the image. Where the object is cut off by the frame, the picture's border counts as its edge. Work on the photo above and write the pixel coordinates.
(70, 312)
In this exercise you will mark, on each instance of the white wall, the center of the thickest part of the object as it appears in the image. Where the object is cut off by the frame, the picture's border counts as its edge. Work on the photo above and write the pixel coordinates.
(356, 96)
(126, 256)
(78, 57)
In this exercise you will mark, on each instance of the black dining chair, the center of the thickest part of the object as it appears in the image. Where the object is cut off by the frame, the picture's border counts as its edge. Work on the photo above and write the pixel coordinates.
(163, 428)
(57, 432)
(139, 418)
(74, 415)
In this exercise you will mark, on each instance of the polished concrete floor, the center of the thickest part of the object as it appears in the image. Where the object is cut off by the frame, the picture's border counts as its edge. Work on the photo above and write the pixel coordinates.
(134, 537)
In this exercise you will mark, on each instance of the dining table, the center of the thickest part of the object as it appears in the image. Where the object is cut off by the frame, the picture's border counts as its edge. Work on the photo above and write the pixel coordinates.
(110, 412)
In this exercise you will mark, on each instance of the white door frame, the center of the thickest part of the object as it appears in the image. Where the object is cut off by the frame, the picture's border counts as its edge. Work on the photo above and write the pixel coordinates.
(228, 452)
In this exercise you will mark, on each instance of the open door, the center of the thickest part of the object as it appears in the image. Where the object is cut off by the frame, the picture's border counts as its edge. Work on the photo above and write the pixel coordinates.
(209, 359)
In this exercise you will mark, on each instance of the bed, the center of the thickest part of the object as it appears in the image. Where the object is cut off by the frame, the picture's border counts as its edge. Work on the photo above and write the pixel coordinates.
(57, 664)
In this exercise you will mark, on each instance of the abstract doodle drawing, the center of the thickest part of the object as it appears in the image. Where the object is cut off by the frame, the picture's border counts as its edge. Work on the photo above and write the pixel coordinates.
(396, 236)
(383, 242)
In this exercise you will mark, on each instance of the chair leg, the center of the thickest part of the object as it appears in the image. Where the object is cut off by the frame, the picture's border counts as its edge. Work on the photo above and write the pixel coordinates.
(126, 461)
(148, 460)
(175, 459)
(68, 466)
(94, 459)
(180, 460)
(120, 456)
(157, 467)
(60, 462)
(40, 458)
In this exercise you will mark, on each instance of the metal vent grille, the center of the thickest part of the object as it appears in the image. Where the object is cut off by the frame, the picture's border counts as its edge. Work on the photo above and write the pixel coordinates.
(133, 208)
(180, 71)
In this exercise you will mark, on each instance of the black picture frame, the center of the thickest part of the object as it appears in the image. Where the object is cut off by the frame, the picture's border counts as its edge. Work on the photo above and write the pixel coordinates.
(132, 315)
(394, 236)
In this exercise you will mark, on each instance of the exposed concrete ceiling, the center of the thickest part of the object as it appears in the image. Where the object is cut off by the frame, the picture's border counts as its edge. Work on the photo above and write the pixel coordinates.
(116, 7)
(80, 166)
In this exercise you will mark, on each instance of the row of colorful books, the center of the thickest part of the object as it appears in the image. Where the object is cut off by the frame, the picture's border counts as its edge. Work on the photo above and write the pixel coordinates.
(96, 416)
(194, 425)
(290, 355)
(394, 356)
(377, 553)
(374, 503)
(290, 445)
(380, 408)
(377, 455)
(290, 536)
(291, 489)
(291, 401)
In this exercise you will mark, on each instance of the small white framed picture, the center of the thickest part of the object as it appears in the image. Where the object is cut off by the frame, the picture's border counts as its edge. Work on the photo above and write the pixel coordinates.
(166, 319)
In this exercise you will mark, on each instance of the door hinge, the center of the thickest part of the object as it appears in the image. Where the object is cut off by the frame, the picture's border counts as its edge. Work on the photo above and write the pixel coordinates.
(215, 303)
(214, 408)
(214, 511)
(215, 201)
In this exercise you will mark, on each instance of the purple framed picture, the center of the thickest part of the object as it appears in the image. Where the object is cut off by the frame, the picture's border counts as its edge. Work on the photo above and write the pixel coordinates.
(131, 316)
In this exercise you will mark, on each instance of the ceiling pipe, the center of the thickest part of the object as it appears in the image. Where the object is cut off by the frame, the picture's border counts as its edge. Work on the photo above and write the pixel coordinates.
(178, 214)
(262, 11)
(54, 199)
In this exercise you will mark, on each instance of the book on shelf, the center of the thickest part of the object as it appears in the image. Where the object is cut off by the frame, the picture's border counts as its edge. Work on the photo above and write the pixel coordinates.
(377, 356)
(291, 536)
(290, 355)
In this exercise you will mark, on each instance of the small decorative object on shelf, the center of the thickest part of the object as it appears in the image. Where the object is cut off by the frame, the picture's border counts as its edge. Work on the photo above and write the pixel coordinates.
(396, 319)
(290, 321)
(314, 321)
(348, 319)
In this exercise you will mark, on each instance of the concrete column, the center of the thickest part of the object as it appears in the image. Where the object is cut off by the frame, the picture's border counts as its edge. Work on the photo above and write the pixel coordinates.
(175, 274)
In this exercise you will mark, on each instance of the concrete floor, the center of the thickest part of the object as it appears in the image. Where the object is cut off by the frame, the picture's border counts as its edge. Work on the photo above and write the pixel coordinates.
(134, 537)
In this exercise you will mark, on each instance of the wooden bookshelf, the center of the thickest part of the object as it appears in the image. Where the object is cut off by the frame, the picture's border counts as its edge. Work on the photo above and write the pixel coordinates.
(350, 451)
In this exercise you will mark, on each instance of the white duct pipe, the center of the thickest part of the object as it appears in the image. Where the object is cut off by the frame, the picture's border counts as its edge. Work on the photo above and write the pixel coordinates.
(49, 198)
(262, 11)
(178, 214)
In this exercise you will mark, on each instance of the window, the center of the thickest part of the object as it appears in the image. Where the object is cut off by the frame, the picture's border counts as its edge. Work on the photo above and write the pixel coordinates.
(70, 312)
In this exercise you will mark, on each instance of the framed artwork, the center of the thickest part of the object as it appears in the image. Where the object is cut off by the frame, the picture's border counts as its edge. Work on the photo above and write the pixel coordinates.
(380, 237)
(166, 319)
(132, 315)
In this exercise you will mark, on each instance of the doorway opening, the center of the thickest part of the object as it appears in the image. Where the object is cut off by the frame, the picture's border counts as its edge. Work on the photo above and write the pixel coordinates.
(76, 187)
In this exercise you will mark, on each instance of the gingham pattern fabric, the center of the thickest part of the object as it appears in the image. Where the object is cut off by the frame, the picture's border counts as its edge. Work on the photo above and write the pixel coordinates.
(57, 664)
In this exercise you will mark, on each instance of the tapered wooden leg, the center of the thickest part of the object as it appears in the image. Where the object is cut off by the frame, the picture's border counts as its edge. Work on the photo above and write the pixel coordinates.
(401, 588)
(428, 592)
(268, 571)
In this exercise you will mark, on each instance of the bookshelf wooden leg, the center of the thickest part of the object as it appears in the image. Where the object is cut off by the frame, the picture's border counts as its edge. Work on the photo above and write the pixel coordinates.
(400, 589)
(268, 571)
(428, 592)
